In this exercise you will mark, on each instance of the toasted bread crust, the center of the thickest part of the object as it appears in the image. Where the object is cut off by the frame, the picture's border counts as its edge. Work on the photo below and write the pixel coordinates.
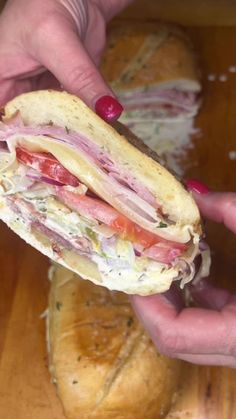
(101, 360)
(150, 54)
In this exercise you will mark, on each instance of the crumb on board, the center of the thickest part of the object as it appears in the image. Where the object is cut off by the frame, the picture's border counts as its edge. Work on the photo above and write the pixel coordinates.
(232, 69)
(211, 77)
(232, 155)
(223, 77)
(51, 272)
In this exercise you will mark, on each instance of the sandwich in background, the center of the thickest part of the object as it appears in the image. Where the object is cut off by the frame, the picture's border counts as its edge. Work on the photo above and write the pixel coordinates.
(154, 71)
(101, 360)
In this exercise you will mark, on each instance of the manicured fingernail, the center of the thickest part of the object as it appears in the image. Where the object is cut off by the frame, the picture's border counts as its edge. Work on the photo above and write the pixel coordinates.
(108, 108)
(196, 186)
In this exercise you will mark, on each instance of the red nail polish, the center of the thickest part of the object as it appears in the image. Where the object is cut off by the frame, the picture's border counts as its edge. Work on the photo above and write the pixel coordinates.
(108, 108)
(196, 186)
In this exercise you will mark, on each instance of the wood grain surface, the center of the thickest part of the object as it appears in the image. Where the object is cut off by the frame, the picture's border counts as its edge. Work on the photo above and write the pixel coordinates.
(186, 12)
(207, 393)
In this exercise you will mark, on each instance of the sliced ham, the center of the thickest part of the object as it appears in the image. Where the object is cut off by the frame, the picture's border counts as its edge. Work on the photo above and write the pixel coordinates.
(157, 248)
(165, 252)
(174, 102)
(92, 208)
(127, 192)
(92, 151)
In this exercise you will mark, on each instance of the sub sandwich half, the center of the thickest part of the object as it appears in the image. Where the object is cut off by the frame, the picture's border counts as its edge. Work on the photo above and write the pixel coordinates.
(82, 194)
(153, 70)
(102, 362)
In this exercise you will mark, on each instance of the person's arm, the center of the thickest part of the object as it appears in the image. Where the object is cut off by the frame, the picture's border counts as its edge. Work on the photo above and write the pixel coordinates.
(57, 44)
(205, 335)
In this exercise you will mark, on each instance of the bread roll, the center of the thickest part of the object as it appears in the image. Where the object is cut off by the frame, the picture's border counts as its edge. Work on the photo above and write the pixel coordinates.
(150, 54)
(102, 361)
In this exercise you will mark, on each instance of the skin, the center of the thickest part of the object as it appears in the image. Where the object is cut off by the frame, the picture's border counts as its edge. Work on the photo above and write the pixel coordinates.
(201, 335)
(54, 43)
(58, 43)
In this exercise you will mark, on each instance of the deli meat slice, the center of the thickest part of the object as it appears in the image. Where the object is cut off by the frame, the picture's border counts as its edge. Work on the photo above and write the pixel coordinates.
(173, 102)
(165, 252)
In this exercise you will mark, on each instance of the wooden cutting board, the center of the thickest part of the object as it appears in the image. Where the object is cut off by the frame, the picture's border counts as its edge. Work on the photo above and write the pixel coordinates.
(185, 12)
(207, 393)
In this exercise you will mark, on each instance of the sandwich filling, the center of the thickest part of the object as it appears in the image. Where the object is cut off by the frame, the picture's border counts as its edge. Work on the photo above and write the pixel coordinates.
(46, 196)
(159, 103)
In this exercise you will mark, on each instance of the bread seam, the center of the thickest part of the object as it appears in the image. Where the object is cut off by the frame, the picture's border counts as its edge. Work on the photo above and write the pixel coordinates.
(145, 51)
(138, 385)
(122, 359)
(178, 64)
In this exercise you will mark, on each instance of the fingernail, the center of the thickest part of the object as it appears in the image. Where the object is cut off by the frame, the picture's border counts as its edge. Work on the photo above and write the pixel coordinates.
(108, 108)
(196, 186)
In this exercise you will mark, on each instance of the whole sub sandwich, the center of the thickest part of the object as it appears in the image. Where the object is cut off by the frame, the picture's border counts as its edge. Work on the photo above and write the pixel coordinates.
(101, 360)
(153, 69)
(83, 195)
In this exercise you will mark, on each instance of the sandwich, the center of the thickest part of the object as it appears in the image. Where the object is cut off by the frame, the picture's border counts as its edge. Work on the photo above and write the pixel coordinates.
(154, 71)
(101, 360)
(91, 200)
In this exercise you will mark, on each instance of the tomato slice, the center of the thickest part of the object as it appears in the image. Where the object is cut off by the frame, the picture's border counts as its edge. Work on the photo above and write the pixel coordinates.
(101, 211)
(46, 164)
(129, 230)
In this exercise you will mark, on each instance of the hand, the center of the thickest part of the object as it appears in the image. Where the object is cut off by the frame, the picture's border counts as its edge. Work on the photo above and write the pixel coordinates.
(49, 43)
(205, 335)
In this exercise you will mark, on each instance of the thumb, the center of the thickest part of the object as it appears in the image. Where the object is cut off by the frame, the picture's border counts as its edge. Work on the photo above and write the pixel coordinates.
(217, 206)
(110, 8)
(210, 296)
(63, 54)
(220, 207)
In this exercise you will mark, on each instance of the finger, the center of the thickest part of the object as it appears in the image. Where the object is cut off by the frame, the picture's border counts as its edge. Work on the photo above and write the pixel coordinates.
(175, 296)
(104, 10)
(12, 88)
(209, 296)
(46, 81)
(7, 91)
(220, 207)
(192, 331)
(213, 359)
(59, 49)
(110, 8)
